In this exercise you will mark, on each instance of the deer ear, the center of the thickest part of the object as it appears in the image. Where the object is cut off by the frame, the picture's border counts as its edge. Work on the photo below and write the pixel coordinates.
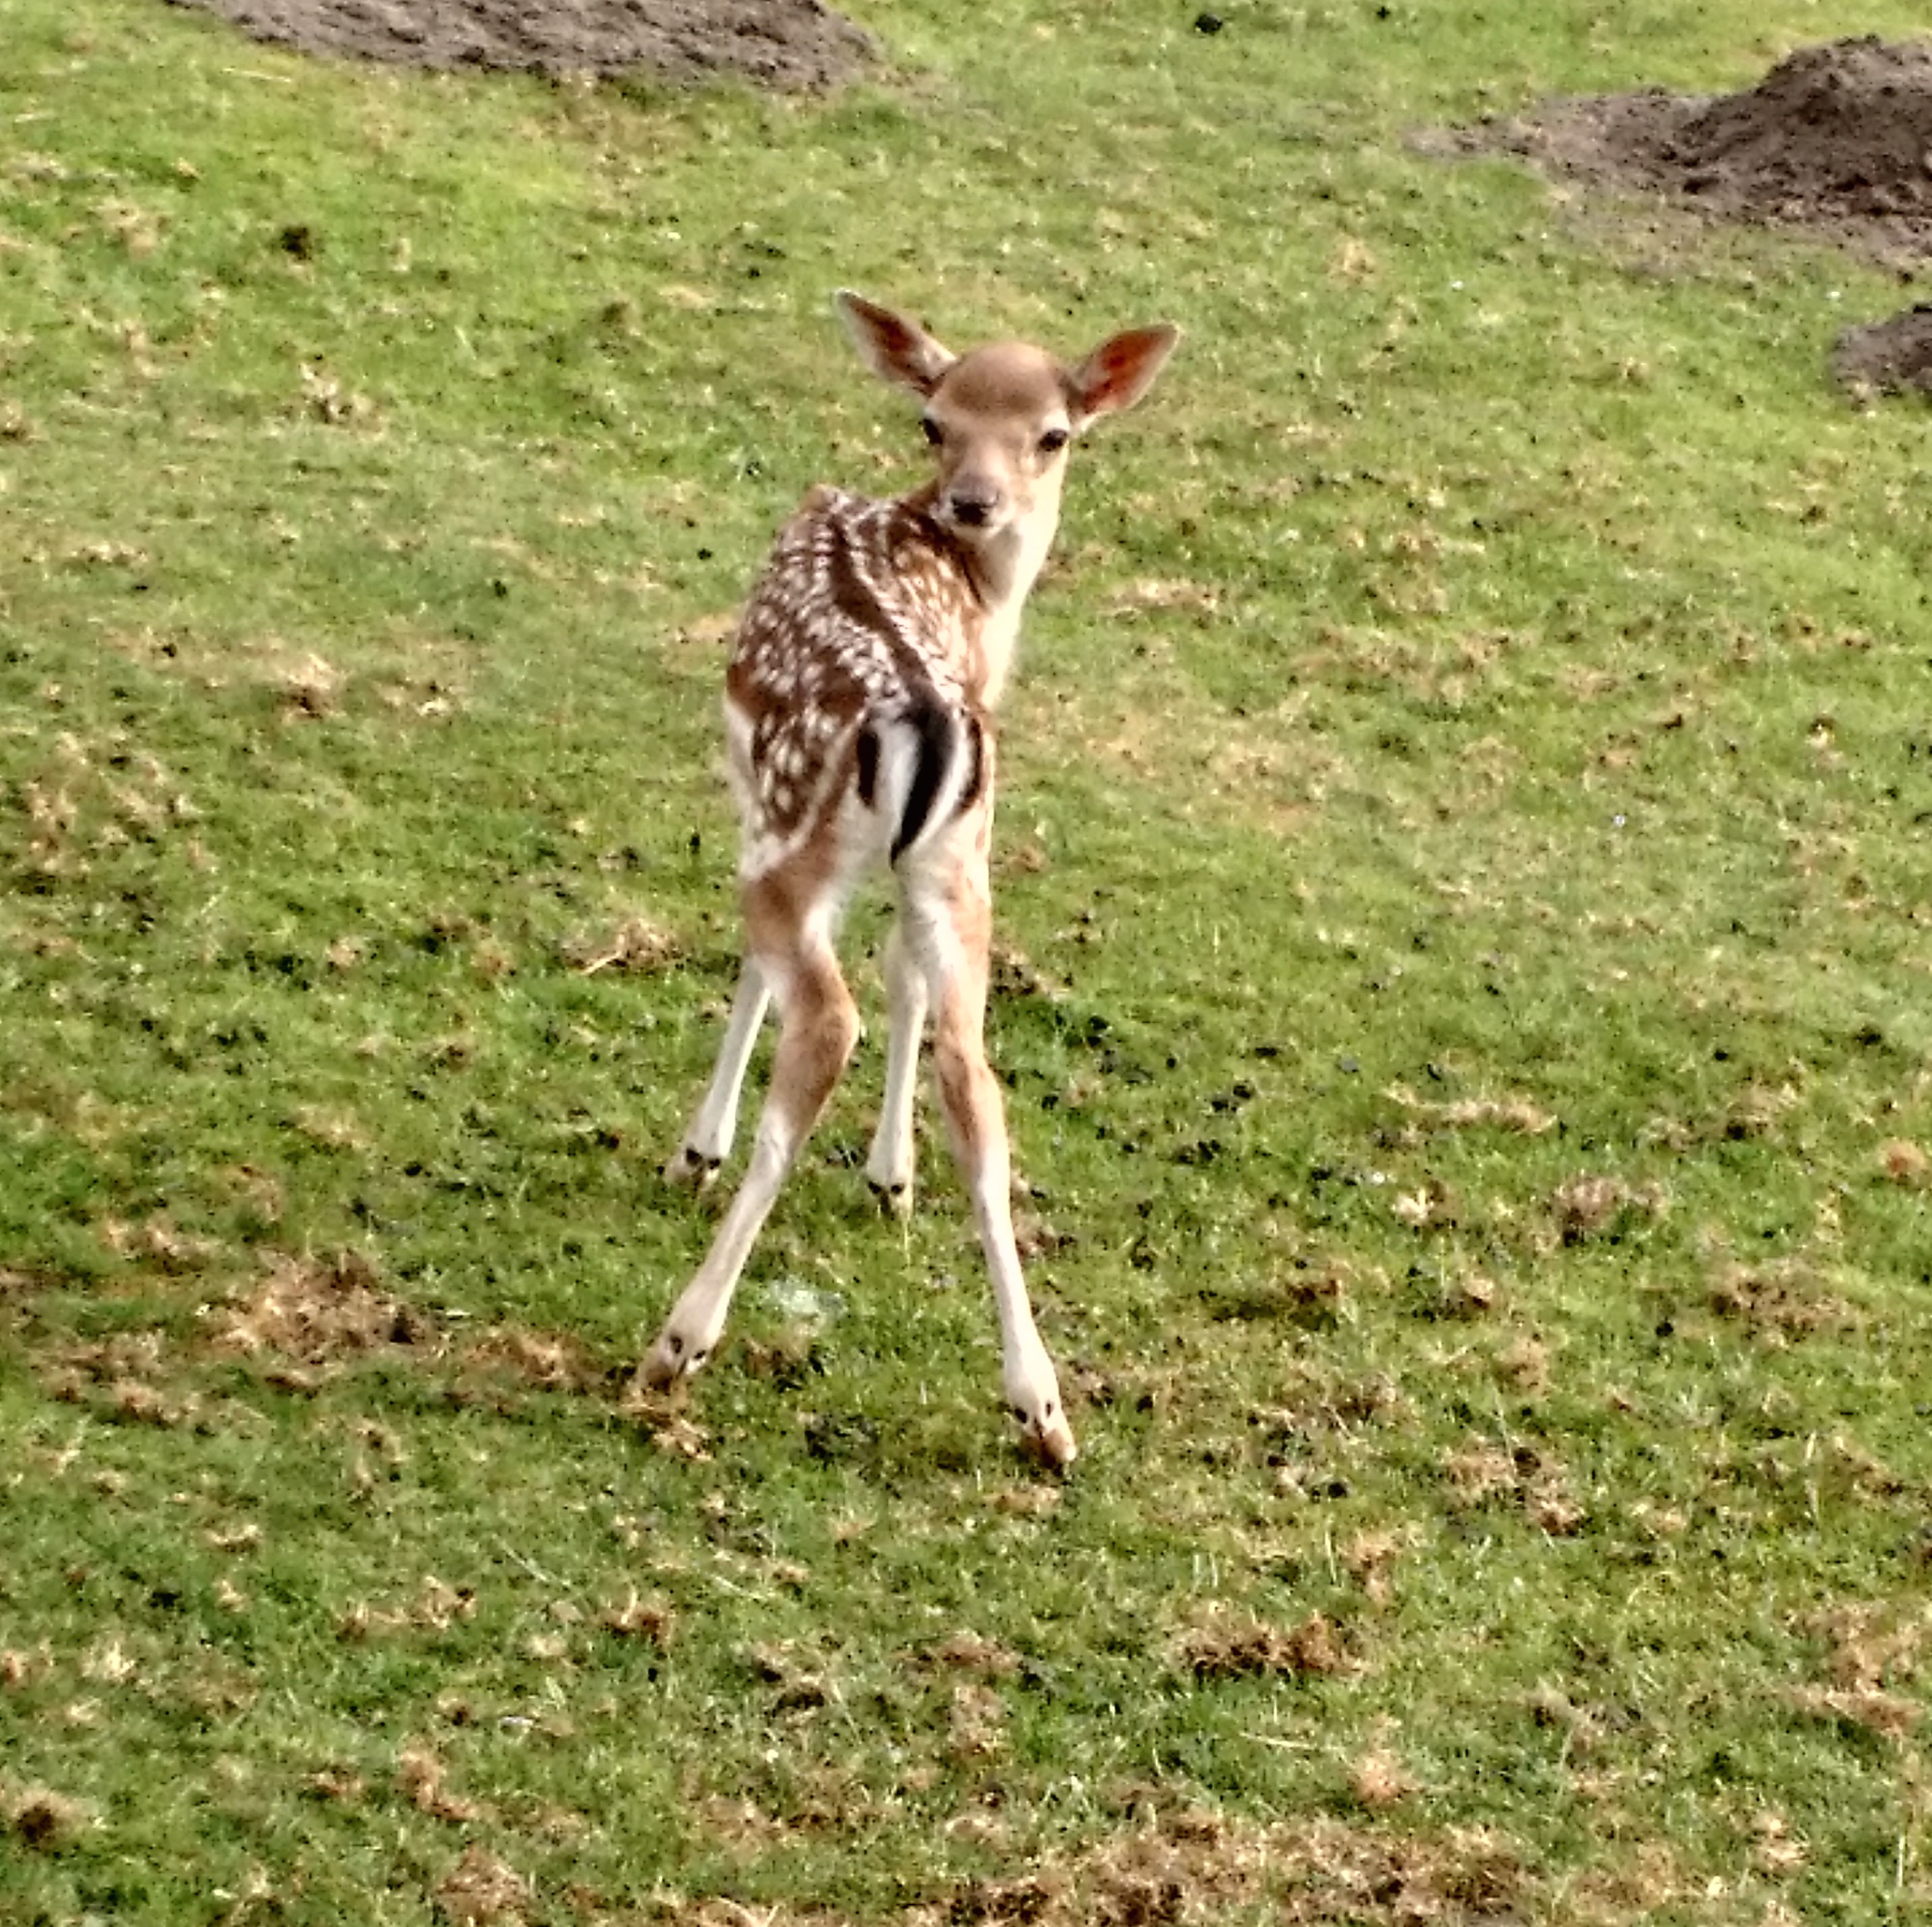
(895, 349)
(1119, 371)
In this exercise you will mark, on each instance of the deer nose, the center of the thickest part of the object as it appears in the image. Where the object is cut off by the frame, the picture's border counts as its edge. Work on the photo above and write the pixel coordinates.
(971, 503)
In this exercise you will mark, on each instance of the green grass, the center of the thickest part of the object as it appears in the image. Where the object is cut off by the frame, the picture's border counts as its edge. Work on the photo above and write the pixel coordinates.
(1464, 813)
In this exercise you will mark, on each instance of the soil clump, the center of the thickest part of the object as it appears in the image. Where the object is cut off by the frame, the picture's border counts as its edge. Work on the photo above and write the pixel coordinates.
(1887, 358)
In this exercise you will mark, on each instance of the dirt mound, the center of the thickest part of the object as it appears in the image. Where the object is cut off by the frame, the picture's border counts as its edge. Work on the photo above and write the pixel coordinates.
(1887, 358)
(1836, 139)
(797, 45)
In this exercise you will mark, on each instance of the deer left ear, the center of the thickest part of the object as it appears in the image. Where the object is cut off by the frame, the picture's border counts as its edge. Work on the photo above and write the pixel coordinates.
(1119, 371)
(895, 349)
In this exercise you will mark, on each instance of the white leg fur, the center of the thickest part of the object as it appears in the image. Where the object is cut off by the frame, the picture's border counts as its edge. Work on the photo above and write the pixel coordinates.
(818, 1028)
(947, 922)
(890, 1165)
(708, 1142)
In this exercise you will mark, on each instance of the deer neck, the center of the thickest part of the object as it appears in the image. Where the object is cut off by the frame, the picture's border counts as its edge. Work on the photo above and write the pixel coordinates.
(1000, 570)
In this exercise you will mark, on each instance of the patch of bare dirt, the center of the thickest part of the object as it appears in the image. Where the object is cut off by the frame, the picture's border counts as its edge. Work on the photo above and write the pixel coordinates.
(1835, 141)
(798, 45)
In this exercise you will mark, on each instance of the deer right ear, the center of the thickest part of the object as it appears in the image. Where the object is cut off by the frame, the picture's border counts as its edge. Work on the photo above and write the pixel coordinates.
(895, 349)
(1119, 371)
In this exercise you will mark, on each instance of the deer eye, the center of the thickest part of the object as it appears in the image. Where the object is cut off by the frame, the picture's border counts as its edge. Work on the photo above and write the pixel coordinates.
(1053, 441)
(932, 431)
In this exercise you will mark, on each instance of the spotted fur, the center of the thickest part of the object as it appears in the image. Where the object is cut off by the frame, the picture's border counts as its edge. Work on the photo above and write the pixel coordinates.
(864, 629)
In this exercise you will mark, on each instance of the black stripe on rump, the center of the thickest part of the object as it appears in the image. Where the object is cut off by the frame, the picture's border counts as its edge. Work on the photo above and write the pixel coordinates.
(932, 724)
(974, 787)
(868, 755)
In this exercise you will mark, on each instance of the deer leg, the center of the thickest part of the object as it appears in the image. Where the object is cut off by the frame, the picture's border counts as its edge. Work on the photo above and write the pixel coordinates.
(890, 1166)
(952, 920)
(818, 1027)
(708, 1142)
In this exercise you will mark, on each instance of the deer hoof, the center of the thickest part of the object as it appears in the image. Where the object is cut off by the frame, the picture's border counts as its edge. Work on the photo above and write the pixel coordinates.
(894, 1200)
(669, 1362)
(1048, 1438)
(690, 1170)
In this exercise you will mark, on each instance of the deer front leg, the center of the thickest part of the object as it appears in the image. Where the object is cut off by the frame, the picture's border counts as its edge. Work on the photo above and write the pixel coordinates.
(890, 1167)
(708, 1142)
(953, 948)
(819, 1026)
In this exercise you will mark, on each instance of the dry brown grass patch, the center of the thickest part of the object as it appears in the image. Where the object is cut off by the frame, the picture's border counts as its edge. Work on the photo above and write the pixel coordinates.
(1871, 1666)
(40, 1818)
(1378, 1779)
(422, 1780)
(1195, 1867)
(1484, 1470)
(1370, 1557)
(638, 1618)
(1779, 1303)
(1905, 1163)
(121, 1379)
(662, 1420)
(976, 1722)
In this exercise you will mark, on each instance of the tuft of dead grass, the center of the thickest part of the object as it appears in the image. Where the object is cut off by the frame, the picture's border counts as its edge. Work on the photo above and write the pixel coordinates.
(1224, 1642)
(1871, 1655)
(423, 1780)
(976, 1722)
(1905, 1163)
(638, 1618)
(637, 944)
(548, 1361)
(970, 1652)
(1379, 1779)
(1482, 1470)
(122, 1379)
(436, 1608)
(1594, 1205)
(1521, 1116)
(320, 1313)
(1890, 1715)
(1370, 1557)
(481, 1889)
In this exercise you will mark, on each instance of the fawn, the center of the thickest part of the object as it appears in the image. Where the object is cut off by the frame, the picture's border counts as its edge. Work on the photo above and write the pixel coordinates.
(858, 722)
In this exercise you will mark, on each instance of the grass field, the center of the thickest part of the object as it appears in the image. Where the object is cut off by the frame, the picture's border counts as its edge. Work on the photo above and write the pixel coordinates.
(1464, 890)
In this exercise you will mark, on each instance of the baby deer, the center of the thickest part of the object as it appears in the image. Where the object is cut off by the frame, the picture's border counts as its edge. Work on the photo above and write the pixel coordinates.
(858, 719)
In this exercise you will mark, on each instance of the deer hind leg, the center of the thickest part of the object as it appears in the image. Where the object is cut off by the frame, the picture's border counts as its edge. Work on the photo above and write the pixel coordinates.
(818, 1026)
(948, 918)
(891, 1164)
(708, 1142)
